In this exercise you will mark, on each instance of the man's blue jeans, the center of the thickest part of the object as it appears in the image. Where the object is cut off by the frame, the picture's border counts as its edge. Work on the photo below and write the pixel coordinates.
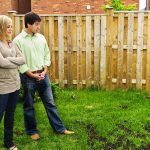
(7, 108)
(43, 87)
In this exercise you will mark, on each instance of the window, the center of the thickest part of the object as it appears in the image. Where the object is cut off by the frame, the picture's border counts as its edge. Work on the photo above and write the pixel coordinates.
(24, 6)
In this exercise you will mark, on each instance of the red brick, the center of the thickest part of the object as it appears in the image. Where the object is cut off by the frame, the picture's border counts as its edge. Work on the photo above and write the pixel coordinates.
(60, 6)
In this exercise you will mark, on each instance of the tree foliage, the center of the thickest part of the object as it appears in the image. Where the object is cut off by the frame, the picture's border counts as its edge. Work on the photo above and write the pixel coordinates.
(118, 5)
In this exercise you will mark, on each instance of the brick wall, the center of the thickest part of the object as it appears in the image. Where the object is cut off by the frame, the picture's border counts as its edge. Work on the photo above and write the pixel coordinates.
(5, 6)
(67, 6)
(133, 2)
(71, 6)
(14, 5)
(60, 6)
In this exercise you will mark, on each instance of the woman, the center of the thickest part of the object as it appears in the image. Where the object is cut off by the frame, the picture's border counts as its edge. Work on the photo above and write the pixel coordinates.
(10, 59)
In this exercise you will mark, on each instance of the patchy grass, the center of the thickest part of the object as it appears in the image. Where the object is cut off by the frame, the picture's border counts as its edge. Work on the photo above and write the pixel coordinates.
(102, 120)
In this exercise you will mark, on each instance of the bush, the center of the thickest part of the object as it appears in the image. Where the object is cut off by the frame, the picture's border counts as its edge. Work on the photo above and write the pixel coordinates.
(118, 5)
(55, 89)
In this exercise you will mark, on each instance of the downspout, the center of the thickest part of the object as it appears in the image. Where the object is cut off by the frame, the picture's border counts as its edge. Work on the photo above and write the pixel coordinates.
(147, 4)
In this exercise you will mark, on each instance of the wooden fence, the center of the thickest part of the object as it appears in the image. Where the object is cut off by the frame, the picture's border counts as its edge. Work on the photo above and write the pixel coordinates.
(110, 50)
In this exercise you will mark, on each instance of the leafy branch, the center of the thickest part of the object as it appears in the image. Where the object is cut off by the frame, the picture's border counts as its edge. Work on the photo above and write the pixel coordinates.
(118, 5)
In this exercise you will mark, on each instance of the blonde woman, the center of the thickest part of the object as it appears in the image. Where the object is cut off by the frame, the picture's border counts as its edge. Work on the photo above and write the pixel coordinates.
(10, 59)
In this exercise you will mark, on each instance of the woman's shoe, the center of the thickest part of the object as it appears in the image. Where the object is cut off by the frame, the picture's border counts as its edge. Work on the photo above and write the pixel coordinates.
(13, 148)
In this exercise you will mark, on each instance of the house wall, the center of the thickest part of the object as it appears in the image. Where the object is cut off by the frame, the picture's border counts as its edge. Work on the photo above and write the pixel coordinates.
(71, 6)
(5, 6)
(14, 5)
(59, 6)
(67, 6)
(133, 2)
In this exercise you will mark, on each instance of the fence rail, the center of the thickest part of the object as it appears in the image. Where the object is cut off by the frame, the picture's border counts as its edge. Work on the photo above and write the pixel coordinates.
(110, 50)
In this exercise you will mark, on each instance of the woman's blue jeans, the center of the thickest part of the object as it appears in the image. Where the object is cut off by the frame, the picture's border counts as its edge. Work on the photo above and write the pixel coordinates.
(7, 108)
(43, 87)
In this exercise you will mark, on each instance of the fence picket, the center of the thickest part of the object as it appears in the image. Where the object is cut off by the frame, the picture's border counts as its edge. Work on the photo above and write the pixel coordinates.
(17, 25)
(51, 46)
(148, 56)
(79, 51)
(103, 52)
(69, 51)
(96, 50)
(88, 51)
(61, 51)
(130, 49)
(139, 51)
(109, 30)
(120, 48)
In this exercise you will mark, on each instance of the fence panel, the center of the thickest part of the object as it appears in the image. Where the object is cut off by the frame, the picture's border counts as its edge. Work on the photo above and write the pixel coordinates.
(110, 50)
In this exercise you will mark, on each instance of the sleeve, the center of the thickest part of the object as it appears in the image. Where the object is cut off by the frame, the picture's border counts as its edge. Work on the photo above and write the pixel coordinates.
(22, 68)
(47, 59)
(5, 63)
(19, 59)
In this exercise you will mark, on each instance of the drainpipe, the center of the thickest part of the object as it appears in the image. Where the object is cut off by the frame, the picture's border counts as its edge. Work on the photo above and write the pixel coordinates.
(147, 4)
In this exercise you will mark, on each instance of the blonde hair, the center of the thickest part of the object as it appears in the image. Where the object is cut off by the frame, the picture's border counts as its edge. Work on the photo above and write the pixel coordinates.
(4, 21)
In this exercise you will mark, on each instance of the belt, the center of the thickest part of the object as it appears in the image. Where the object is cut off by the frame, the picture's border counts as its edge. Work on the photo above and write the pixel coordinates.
(38, 71)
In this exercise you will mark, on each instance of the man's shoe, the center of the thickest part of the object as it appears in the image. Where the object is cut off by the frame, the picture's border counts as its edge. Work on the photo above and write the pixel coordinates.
(35, 136)
(67, 132)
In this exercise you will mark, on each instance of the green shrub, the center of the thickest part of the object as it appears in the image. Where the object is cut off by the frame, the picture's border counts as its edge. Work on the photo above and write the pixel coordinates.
(55, 89)
(118, 5)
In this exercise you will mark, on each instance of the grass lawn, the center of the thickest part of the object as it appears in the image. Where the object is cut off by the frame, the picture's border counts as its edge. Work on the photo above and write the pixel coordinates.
(102, 120)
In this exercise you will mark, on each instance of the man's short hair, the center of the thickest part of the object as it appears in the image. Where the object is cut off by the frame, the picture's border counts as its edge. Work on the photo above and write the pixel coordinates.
(31, 18)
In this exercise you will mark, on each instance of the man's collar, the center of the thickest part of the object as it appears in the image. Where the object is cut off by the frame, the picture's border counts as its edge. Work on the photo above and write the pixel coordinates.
(24, 34)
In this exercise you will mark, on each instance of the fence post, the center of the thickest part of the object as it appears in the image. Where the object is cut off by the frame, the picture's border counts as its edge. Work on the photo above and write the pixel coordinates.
(12, 15)
(109, 33)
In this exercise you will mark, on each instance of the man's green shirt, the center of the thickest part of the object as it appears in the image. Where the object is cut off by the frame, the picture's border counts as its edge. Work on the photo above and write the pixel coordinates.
(35, 51)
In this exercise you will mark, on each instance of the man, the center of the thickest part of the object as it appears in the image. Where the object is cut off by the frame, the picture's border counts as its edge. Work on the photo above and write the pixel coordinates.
(33, 76)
